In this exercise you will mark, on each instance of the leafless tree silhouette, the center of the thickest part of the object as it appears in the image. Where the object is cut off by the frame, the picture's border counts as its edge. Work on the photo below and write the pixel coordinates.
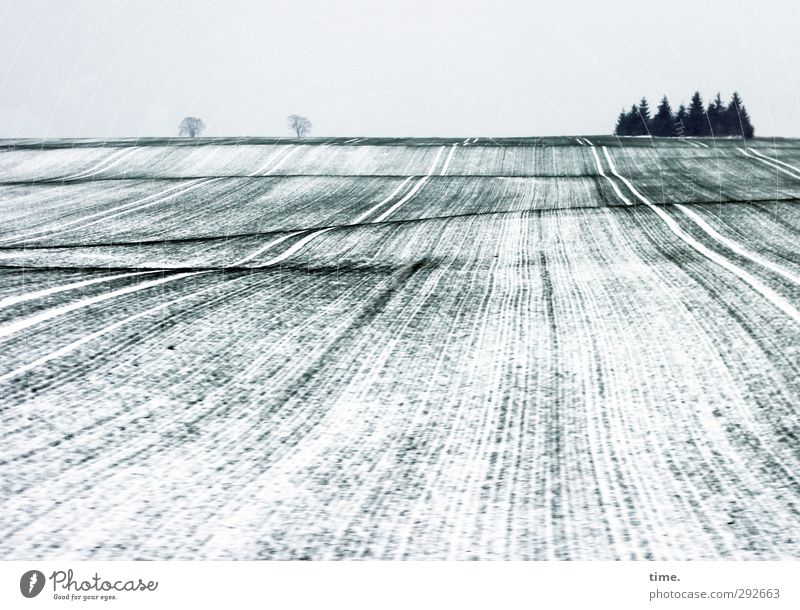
(300, 125)
(191, 127)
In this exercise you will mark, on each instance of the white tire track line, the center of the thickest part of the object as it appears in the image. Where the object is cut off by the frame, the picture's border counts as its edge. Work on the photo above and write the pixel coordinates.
(23, 323)
(786, 165)
(435, 161)
(420, 183)
(283, 160)
(29, 296)
(766, 161)
(264, 248)
(709, 230)
(309, 238)
(624, 180)
(603, 174)
(723, 262)
(765, 291)
(360, 218)
(402, 201)
(736, 247)
(447, 161)
(107, 163)
(139, 204)
(295, 247)
(94, 168)
(70, 347)
(285, 153)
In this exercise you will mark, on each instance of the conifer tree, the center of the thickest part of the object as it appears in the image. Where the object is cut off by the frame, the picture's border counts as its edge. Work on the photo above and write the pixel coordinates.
(662, 125)
(716, 110)
(697, 120)
(636, 126)
(680, 121)
(644, 116)
(736, 120)
(622, 124)
(717, 120)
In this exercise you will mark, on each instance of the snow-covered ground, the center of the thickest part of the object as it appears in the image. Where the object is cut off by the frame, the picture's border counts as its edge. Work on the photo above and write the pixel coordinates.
(566, 348)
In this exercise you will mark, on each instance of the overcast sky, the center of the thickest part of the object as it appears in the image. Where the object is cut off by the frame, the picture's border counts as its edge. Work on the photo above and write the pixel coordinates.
(105, 68)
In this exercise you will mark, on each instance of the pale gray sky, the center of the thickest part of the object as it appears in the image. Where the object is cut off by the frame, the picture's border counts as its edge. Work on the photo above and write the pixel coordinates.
(106, 68)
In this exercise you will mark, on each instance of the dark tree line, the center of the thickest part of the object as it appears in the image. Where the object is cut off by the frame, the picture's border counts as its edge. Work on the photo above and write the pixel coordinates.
(717, 120)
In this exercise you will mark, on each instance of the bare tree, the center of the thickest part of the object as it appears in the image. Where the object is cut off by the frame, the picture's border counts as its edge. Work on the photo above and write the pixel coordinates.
(300, 125)
(191, 127)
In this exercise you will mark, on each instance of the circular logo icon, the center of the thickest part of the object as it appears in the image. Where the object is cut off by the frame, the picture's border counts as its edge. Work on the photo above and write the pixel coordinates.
(31, 583)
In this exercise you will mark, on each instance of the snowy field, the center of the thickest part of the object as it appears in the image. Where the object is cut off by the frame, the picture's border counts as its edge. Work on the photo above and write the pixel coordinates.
(560, 348)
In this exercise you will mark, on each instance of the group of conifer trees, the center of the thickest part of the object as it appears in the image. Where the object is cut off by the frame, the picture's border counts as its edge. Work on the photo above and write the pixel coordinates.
(718, 120)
